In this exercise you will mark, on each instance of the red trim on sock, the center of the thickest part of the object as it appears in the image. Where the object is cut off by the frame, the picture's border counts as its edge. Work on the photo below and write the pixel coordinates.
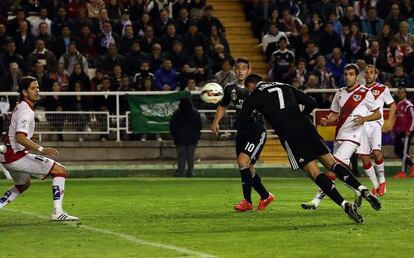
(367, 166)
(379, 162)
(331, 176)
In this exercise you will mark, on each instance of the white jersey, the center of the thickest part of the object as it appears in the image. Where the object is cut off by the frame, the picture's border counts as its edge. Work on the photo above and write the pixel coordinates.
(382, 95)
(22, 121)
(349, 104)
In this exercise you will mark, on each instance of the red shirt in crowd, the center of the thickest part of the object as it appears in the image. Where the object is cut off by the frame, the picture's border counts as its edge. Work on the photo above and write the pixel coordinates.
(405, 116)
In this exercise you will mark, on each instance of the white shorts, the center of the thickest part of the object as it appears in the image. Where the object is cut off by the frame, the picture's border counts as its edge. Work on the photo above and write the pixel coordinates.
(35, 165)
(343, 151)
(372, 140)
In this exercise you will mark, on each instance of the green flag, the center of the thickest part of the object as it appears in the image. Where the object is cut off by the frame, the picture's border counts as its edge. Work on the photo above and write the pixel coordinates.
(152, 113)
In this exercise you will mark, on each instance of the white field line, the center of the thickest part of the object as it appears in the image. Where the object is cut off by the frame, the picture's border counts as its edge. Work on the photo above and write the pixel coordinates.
(124, 236)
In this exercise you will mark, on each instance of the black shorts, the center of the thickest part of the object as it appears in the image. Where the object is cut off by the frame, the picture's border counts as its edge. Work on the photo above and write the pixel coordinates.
(302, 142)
(251, 144)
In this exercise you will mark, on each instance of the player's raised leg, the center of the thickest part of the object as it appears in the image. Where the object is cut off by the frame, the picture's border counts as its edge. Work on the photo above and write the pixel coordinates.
(59, 175)
(22, 183)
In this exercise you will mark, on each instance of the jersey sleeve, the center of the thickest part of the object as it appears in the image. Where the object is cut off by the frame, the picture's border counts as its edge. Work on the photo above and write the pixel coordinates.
(387, 97)
(23, 124)
(370, 102)
(335, 107)
(304, 99)
(225, 101)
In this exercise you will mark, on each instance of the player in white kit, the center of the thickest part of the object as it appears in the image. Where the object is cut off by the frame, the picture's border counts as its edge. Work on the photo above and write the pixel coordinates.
(373, 143)
(351, 108)
(22, 164)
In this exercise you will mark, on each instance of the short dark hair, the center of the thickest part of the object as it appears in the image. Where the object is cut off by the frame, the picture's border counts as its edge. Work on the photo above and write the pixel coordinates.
(352, 67)
(25, 82)
(253, 78)
(242, 60)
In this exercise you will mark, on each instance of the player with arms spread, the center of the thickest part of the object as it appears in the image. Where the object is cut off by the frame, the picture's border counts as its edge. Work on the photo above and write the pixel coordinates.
(22, 164)
(279, 104)
(250, 138)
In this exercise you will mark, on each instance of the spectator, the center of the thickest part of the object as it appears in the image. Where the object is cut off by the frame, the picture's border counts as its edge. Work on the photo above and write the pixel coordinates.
(72, 58)
(162, 23)
(10, 80)
(125, 21)
(311, 52)
(144, 21)
(55, 103)
(178, 56)
(25, 41)
(116, 77)
(273, 19)
(196, 7)
(73, 6)
(404, 36)
(96, 82)
(384, 38)
(202, 64)
(336, 24)
(298, 42)
(362, 7)
(177, 7)
(191, 85)
(394, 18)
(165, 77)
(328, 39)
(183, 21)
(126, 40)
(217, 37)
(273, 35)
(106, 37)
(88, 46)
(134, 59)
(79, 75)
(114, 10)
(43, 78)
(148, 40)
(290, 24)
(11, 56)
(208, 20)
(107, 62)
(42, 55)
(79, 103)
(361, 66)
(355, 44)
(44, 35)
(316, 24)
(336, 64)
(312, 82)
(282, 62)
(61, 76)
(403, 129)
(80, 21)
(62, 42)
(169, 37)
(61, 21)
(395, 53)
(194, 38)
(300, 71)
(93, 7)
(41, 18)
(185, 128)
(3, 37)
(218, 57)
(106, 103)
(350, 17)
(372, 25)
(345, 31)
(325, 76)
(374, 56)
(155, 57)
(399, 79)
(103, 17)
(226, 74)
(14, 24)
(148, 85)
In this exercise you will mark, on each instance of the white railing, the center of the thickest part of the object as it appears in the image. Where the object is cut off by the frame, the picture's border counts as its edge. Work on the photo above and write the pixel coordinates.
(105, 123)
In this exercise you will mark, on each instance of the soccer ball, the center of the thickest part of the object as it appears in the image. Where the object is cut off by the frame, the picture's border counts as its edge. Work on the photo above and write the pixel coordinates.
(211, 93)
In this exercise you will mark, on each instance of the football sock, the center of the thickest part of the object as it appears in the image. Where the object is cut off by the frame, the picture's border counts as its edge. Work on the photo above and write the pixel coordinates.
(246, 178)
(318, 197)
(259, 187)
(408, 162)
(370, 171)
(379, 167)
(346, 176)
(58, 189)
(329, 188)
(9, 196)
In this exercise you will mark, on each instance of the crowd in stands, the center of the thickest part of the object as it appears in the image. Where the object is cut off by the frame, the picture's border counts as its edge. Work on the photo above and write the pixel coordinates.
(308, 43)
(132, 45)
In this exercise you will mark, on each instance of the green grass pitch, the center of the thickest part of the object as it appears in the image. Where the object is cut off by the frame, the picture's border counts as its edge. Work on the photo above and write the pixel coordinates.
(168, 217)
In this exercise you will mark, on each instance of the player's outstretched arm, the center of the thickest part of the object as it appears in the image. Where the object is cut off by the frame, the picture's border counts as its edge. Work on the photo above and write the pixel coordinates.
(215, 127)
(31, 145)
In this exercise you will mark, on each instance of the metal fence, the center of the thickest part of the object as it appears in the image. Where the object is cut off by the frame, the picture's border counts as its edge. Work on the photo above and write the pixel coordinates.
(99, 123)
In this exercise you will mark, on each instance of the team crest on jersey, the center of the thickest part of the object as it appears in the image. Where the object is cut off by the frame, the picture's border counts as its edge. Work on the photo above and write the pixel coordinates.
(357, 97)
(376, 92)
(25, 124)
(233, 95)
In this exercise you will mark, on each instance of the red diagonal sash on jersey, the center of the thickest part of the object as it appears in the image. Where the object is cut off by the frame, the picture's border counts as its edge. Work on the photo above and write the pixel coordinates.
(351, 103)
(377, 90)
